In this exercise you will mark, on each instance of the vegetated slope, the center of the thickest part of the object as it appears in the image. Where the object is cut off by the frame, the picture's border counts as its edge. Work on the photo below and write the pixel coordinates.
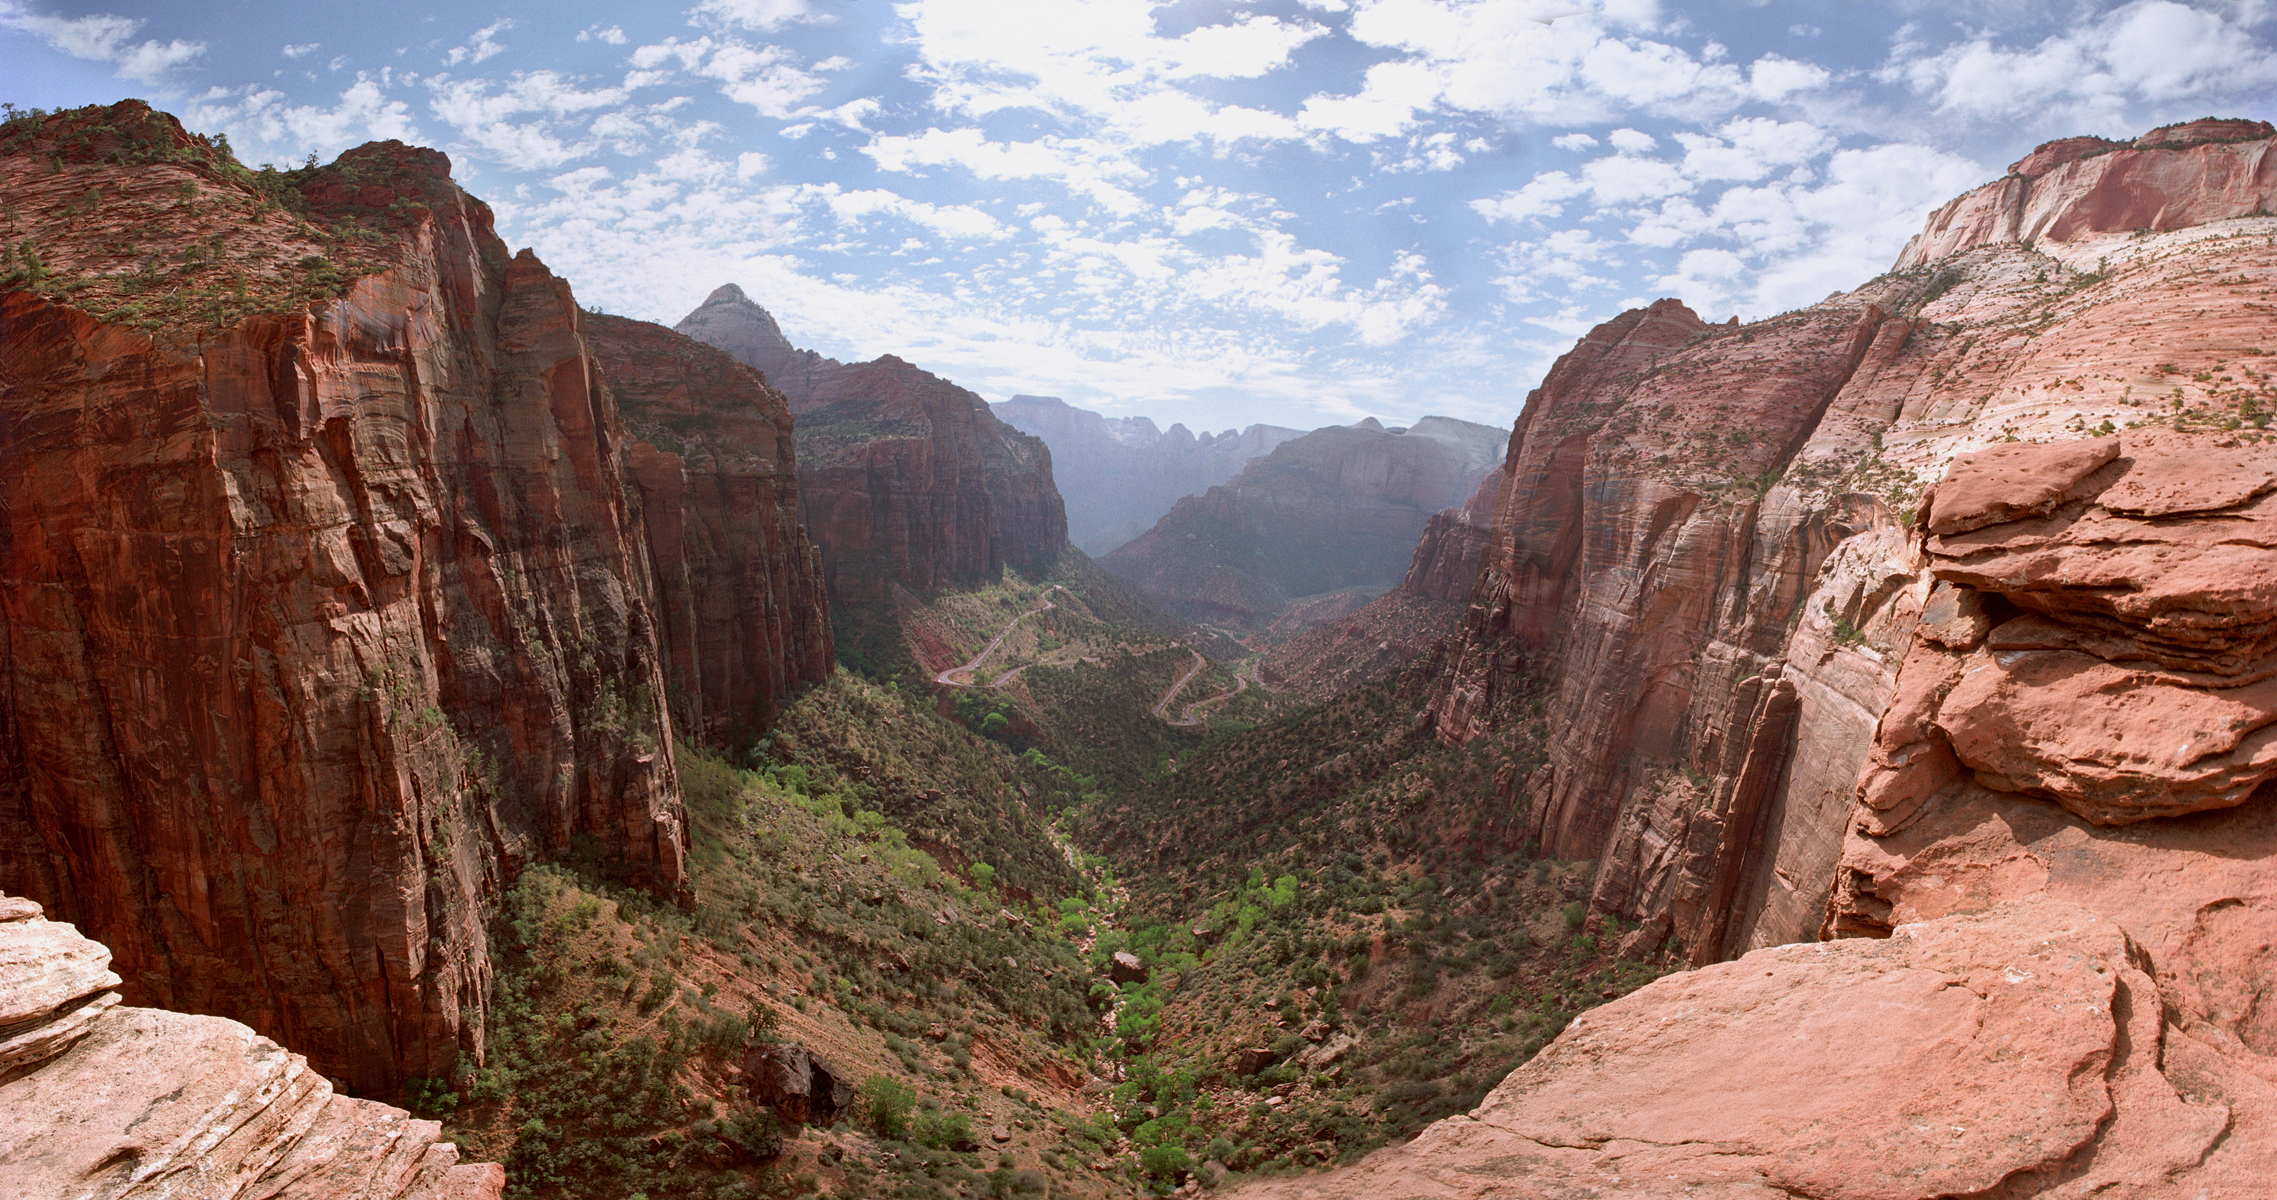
(1347, 938)
(879, 893)
(1339, 507)
(1937, 674)
(329, 602)
(1120, 475)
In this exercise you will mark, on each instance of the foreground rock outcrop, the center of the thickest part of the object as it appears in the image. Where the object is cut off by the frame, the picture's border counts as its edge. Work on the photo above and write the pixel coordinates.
(102, 1102)
(1338, 508)
(1120, 475)
(2016, 1051)
(327, 589)
(906, 479)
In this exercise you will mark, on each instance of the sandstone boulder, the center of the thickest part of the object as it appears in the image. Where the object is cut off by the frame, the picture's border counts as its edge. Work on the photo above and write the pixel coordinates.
(797, 1083)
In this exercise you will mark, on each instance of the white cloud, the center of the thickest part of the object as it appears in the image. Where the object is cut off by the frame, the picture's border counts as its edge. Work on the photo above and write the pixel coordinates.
(483, 46)
(265, 126)
(1632, 140)
(957, 221)
(1083, 165)
(1101, 60)
(303, 50)
(768, 78)
(751, 14)
(105, 38)
(1576, 142)
(521, 122)
(1495, 58)
(614, 35)
(2092, 76)
(1542, 196)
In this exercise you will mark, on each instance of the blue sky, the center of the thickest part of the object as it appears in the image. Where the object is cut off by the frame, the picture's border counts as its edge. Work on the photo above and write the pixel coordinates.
(1295, 211)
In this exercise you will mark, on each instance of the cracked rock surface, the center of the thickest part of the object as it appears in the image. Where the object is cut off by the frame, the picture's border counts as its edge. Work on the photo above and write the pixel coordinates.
(101, 1102)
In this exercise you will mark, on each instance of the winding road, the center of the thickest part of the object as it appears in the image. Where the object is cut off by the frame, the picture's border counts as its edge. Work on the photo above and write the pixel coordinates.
(968, 671)
(1160, 706)
(949, 676)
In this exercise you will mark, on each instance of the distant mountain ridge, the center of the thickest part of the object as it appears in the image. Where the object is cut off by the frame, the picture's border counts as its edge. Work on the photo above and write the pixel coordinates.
(1337, 508)
(1119, 475)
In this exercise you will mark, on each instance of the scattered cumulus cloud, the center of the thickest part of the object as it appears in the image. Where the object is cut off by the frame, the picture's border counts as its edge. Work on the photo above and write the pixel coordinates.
(106, 38)
(482, 47)
(1327, 206)
(2094, 75)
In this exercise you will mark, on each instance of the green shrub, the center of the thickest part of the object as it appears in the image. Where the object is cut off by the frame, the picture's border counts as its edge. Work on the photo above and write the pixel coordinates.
(885, 1102)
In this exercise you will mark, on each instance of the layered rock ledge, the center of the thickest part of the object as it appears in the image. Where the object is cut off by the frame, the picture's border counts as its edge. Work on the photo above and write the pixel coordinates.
(103, 1102)
(2013, 1052)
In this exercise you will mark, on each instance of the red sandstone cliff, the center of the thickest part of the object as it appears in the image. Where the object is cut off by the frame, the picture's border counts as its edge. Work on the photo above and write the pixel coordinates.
(2010, 744)
(1340, 507)
(327, 600)
(1700, 554)
(906, 479)
(2071, 189)
(738, 588)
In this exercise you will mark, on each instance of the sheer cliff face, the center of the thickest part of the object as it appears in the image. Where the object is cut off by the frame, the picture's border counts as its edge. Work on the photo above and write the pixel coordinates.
(737, 586)
(1702, 550)
(320, 623)
(906, 478)
(1339, 507)
(1121, 476)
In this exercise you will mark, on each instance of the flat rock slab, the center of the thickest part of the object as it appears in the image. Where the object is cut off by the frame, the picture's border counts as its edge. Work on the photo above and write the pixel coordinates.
(2010, 482)
(1954, 1056)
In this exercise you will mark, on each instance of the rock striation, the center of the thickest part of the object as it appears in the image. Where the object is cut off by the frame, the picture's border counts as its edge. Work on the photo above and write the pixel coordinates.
(1968, 670)
(905, 478)
(112, 1103)
(328, 598)
(1338, 508)
(1702, 560)
(2173, 177)
(2016, 1051)
(1120, 475)
(737, 585)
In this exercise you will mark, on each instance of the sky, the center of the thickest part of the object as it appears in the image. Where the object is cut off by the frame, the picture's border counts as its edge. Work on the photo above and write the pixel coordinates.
(1299, 212)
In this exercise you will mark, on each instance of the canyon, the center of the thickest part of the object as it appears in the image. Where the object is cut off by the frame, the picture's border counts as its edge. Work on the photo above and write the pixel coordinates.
(1955, 655)
(1120, 475)
(1829, 756)
(324, 620)
(1337, 508)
